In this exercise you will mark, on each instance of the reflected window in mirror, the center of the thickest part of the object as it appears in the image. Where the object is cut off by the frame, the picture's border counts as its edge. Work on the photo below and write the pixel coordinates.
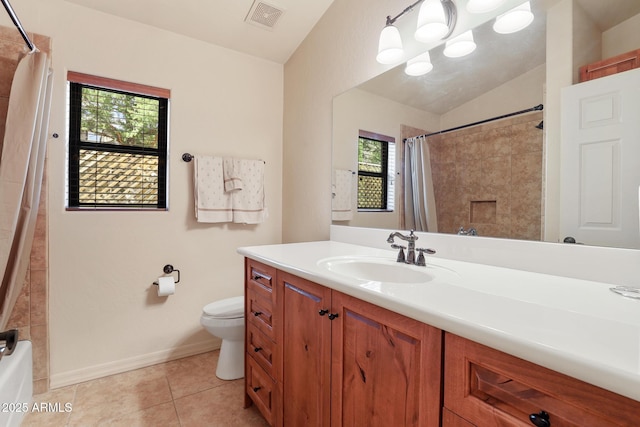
(376, 169)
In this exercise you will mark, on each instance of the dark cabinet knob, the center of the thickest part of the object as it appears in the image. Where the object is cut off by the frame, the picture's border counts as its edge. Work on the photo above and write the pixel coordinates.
(257, 313)
(540, 420)
(333, 316)
(257, 349)
(323, 312)
(256, 389)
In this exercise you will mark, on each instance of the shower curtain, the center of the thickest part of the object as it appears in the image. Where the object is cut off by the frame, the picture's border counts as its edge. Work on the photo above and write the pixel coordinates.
(21, 172)
(419, 199)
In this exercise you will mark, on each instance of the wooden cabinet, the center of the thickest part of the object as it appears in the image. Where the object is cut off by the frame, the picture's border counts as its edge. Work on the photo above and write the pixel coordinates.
(617, 64)
(343, 361)
(263, 338)
(485, 387)
(318, 357)
(386, 368)
(307, 352)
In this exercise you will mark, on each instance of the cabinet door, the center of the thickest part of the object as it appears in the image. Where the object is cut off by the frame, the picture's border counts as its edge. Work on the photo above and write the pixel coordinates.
(386, 367)
(306, 353)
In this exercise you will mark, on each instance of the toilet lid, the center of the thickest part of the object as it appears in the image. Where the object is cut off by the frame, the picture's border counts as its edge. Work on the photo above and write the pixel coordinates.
(230, 308)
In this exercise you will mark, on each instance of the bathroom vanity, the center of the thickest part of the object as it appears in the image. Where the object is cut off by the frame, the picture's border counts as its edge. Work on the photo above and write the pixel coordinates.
(452, 343)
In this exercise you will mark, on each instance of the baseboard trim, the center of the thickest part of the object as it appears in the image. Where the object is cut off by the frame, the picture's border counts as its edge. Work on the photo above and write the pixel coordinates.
(119, 366)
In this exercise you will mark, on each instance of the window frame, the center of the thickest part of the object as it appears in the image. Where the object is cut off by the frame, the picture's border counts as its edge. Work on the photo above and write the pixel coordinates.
(387, 181)
(76, 82)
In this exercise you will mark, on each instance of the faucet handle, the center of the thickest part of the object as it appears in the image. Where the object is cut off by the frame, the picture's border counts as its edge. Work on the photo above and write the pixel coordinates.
(401, 257)
(421, 261)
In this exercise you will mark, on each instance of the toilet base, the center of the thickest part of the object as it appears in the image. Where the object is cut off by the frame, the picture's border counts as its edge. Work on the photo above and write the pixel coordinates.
(231, 360)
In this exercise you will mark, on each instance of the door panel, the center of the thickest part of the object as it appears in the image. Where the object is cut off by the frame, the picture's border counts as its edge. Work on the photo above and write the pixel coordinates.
(307, 352)
(386, 367)
(600, 152)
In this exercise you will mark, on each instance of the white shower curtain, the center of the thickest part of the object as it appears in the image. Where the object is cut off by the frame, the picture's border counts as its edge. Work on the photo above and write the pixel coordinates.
(419, 198)
(21, 172)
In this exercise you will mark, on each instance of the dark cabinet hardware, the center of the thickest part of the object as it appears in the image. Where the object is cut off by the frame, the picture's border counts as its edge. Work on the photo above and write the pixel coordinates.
(256, 389)
(333, 316)
(322, 312)
(257, 313)
(540, 420)
(257, 349)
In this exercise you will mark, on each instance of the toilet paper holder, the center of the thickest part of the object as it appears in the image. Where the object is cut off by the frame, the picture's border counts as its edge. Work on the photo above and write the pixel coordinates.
(168, 269)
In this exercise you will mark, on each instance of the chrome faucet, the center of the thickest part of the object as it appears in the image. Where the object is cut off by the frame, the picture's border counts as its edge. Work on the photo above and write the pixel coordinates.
(470, 232)
(411, 250)
(10, 339)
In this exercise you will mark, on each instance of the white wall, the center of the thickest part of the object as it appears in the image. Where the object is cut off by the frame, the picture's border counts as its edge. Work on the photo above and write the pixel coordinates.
(622, 38)
(520, 93)
(355, 110)
(104, 315)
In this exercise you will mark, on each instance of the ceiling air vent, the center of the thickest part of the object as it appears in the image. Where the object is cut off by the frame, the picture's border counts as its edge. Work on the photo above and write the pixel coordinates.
(264, 15)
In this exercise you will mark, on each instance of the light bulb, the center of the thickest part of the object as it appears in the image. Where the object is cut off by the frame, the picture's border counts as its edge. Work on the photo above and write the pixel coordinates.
(514, 20)
(390, 46)
(432, 22)
(460, 45)
(419, 65)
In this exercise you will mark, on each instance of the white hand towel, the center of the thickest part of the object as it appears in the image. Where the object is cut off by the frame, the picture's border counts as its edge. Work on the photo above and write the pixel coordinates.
(341, 209)
(248, 204)
(212, 203)
(231, 174)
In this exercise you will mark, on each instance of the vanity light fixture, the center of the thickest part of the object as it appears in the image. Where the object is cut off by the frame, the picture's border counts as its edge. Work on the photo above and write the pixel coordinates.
(460, 45)
(514, 20)
(436, 21)
(420, 65)
(390, 49)
(483, 6)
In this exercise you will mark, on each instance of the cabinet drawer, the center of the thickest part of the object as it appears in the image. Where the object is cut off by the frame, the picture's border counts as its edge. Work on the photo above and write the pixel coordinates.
(260, 314)
(260, 274)
(262, 350)
(262, 390)
(489, 388)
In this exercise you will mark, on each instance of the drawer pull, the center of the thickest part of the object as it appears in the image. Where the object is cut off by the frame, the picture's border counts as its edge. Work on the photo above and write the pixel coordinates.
(333, 316)
(540, 420)
(257, 313)
(255, 389)
(257, 349)
(322, 312)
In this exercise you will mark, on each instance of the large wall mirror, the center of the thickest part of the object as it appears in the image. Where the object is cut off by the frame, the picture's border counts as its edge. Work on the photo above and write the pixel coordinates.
(495, 178)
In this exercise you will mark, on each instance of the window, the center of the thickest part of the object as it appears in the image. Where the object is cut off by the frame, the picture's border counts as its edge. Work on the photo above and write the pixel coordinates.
(376, 169)
(117, 144)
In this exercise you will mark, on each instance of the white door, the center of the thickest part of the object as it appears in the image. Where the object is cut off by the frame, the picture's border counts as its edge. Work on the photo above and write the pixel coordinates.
(600, 151)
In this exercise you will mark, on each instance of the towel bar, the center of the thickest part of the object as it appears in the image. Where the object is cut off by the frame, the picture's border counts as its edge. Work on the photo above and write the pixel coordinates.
(187, 157)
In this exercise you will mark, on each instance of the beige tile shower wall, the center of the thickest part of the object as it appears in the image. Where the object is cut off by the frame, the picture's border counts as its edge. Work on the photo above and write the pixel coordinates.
(495, 168)
(30, 314)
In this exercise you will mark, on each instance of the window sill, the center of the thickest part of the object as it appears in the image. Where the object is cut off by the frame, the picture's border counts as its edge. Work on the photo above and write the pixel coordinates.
(375, 210)
(114, 209)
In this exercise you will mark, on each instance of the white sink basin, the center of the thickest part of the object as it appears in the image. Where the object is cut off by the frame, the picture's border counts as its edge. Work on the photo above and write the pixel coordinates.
(371, 269)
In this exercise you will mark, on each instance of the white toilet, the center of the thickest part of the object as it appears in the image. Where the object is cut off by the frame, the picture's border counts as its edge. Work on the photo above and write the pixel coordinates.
(225, 319)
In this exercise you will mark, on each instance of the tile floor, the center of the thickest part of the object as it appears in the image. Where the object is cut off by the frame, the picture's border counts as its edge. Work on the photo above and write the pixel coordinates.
(182, 393)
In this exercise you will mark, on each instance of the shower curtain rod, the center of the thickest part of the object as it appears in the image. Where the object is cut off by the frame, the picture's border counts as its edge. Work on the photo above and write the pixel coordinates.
(528, 110)
(18, 25)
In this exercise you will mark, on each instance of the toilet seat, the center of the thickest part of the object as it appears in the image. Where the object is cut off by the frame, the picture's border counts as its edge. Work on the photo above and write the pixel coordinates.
(230, 308)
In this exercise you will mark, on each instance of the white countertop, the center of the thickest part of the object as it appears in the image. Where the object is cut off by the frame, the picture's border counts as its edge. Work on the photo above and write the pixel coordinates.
(576, 327)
